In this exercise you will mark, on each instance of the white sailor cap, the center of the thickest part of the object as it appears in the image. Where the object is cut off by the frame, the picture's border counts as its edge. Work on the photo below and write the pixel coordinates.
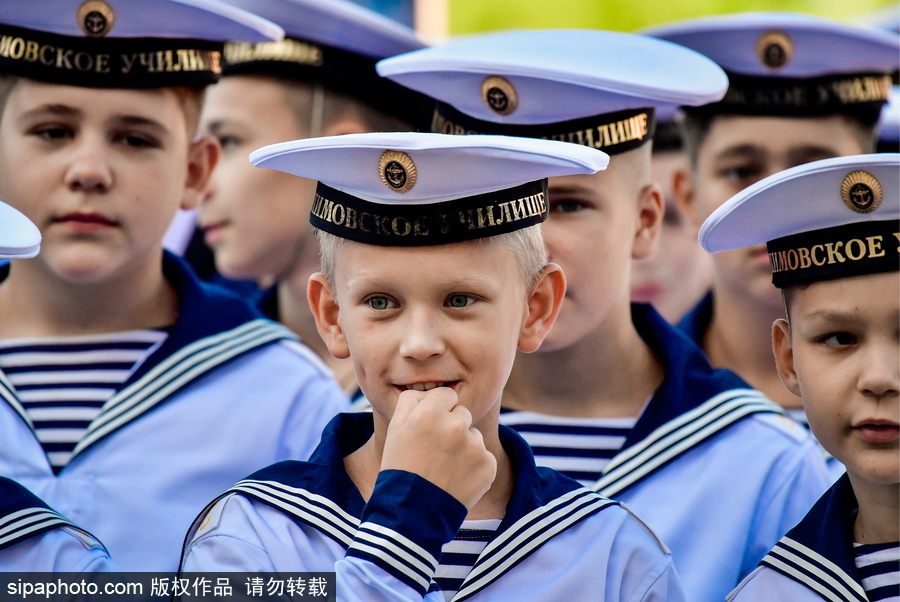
(792, 64)
(335, 42)
(123, 43)
(826, 219)
(19, 238)
(596, 88)
(418, 189)
(889, 123)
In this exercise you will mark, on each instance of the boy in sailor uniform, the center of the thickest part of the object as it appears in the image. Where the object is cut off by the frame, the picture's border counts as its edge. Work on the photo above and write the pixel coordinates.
(832, 229)
(131, 393)
(802, 88)
(32, 536)
(616, 397)
(433, 274)
(319, 81)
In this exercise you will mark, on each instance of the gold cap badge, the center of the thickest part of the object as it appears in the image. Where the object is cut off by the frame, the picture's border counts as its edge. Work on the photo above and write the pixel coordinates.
(500, 95)
(96, 18)
(861, 192)
(775, 49)
(397, 171)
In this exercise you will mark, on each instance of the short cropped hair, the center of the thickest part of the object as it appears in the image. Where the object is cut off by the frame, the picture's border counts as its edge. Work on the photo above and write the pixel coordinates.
(311, 102)
(697, 124)
(527, 244)
(189, 98)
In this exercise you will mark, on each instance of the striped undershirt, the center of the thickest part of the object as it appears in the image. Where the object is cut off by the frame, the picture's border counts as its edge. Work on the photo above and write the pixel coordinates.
(580, 448)
(63, 382)
(459, 556)
(879, 569)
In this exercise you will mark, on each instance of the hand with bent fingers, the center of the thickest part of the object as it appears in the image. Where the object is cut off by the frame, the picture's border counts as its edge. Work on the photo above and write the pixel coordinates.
(431, 435)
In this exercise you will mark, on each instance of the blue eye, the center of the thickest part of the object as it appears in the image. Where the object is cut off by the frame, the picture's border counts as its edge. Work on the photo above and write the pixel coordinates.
(460, 300)
(380, 303)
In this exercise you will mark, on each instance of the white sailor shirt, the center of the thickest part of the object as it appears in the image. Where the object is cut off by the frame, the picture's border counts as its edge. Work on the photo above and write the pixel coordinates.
(814, 561)
(712, 466)
(696, 323)
(226, 394)
(34, 538)
(558, 540)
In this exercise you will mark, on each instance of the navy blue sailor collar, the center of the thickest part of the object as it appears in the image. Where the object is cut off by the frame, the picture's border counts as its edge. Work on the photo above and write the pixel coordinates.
(818, 552)
(23, 515)
(692, 397)
(324, 473)
(213, 328)
(696, 322)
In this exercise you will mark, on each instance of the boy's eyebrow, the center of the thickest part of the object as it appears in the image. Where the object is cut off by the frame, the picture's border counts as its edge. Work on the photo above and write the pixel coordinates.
(136, 120)
(58, 110)
(566, 188)
(739, 150)
(809, 153)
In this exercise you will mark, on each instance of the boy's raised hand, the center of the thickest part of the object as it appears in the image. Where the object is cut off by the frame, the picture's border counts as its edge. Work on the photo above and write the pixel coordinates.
(431, 435)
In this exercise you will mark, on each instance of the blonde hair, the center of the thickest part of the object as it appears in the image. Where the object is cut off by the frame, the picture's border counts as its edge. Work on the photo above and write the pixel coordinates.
(526, 244)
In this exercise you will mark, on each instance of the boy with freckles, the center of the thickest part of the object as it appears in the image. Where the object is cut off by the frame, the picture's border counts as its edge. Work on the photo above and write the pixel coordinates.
(429, 497)
(130, 393)
(616, 397)
(839, 350)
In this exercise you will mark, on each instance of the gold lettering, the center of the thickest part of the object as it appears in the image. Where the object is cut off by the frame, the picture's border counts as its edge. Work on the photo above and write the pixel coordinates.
(63, 58)
(4, 45)
(338, 220)
(773, 261)
(351, 218)
(792, 260)
(833, 254)
(804, 258)
(446, 221)
(419, 228)
(31, 51)
(875, 249)
(407, 228)
(855, 256)
(897, 236)
(102, 63)
(128, 62)
(84, 61)
(362, 225)
(47, 60)
(813, 255)
(485, 220)
(16, 48)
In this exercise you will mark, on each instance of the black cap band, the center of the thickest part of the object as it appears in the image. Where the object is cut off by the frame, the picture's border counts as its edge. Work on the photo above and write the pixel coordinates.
(612, 133)
(849, 250)
(859, 95)
(346, 72)
(412, 225)
(108, 62)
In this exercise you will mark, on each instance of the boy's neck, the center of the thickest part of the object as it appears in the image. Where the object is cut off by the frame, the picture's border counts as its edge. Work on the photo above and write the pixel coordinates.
(608, 373)
(294, 313)
(878, 519)
(34, 302)
(364, 464)
(739, 338)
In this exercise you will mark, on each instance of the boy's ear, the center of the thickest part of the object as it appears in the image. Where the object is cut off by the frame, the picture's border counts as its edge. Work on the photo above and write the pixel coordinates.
(784, 355)
(543, 307)
(325, 309)
(684, 193)
(650, 213)
(203, 155)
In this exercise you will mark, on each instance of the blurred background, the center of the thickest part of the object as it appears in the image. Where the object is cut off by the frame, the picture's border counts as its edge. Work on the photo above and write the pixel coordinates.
(442, 18)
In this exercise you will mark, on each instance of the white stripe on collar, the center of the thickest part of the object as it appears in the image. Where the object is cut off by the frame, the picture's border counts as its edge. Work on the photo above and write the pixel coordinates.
(680, 435)
(818, 573)
(527, 535)
(23, 524)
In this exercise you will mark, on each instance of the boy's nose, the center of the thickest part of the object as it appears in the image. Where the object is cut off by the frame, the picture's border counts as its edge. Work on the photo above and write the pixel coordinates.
(421, 338)
(880, 375)
(89, 170)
